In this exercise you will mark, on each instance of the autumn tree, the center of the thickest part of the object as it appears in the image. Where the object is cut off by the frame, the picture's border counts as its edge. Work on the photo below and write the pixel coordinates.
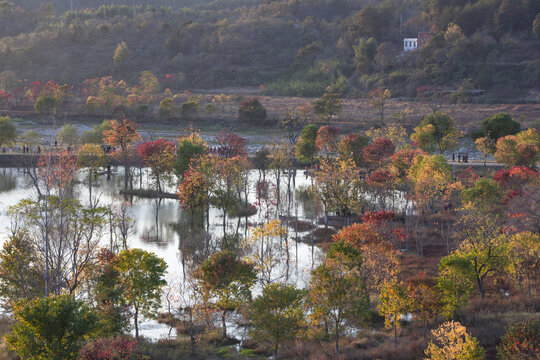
(159, 156)
(336, 293)
(351, 147)
(393, 302)
(425, 301)
(380, 261)
(396, 133)
(436, 132)
(378, 99)
(231, 145)
(524, 257)
(520, 341)
(378, 152)
(522, 149)
(121, 135)
(338, 186)
(142, 276)
(486, 146)
(8, 131)
(278, 314)
(268, 249)
(51, 328)
(193, 191)
(228, 279)
(451, 341)
(68, 135)
(482, 244)
(327, 139)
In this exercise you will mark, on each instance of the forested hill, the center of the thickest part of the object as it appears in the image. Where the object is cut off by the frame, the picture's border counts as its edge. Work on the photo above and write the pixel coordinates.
(294, 47)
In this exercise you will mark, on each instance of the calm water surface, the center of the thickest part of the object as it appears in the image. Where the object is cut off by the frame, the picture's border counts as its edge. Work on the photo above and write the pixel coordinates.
(162, 227)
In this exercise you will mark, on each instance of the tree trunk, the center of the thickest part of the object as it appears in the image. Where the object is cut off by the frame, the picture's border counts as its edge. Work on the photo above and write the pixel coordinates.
(276, 347)
(395, 331)
(136, 321)
(224, 334)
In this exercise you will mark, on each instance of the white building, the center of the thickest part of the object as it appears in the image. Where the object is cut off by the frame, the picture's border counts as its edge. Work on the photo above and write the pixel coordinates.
(410, 44)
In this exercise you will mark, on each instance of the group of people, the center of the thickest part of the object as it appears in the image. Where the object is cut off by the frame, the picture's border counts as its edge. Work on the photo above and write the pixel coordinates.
(25, 149)
(460, 158)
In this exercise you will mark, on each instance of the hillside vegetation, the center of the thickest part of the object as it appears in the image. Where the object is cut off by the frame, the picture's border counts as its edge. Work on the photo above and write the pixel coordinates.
(291, 48)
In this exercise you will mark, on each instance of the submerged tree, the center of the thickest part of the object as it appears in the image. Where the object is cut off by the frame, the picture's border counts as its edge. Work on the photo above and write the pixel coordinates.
(228, 279)
(141, 274)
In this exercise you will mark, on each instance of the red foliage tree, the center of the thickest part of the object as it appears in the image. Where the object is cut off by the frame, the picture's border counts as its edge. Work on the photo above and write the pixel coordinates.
(231, 145)
(327, 138)
(159, 156)
(376, 153)
(121, 134)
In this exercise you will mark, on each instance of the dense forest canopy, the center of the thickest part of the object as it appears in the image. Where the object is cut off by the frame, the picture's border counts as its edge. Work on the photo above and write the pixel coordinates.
(295, 47)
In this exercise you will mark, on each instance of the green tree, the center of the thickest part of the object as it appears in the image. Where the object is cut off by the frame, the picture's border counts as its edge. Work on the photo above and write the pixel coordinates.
(364, 54)
(46, 104)
(95, 136)
(486, 195)
(306, 147)
(142, 277)
(51, 328)
(8, 131)
(336, 292)
(327, 106)
(499, 125)
(189, 110)
(20, 273)
(167, 109)
(455, 282)
(536, 25)
(452, 342)
(394, 303)
(436, 132)
(251, 111)
(189, 148)
(278, 314)
(228, 279)
(68, 135)
(122, 55)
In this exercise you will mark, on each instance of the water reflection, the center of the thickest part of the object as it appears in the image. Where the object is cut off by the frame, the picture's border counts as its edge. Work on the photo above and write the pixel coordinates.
(8, 180)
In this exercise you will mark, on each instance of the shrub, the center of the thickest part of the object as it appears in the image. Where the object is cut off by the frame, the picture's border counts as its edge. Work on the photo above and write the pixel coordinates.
(521, 341)
(251, 111)
(113, 348)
